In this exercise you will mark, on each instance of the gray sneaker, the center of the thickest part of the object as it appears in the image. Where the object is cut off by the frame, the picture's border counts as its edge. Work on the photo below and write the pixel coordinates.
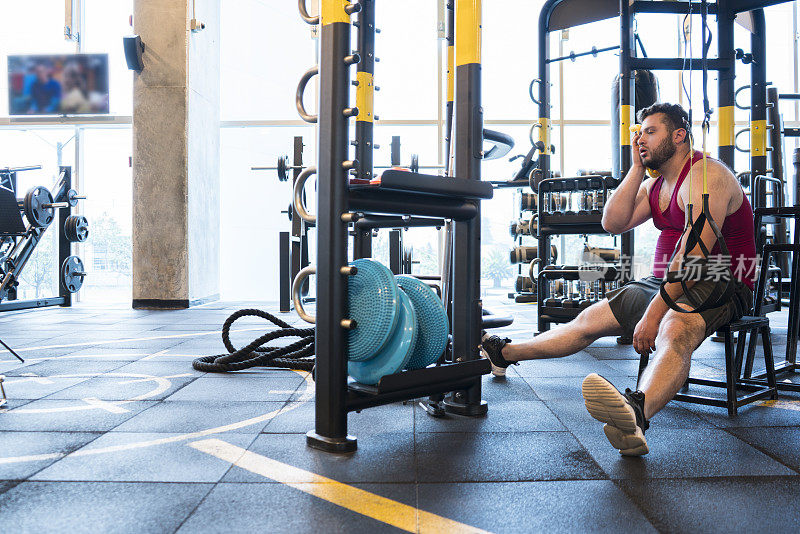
(623, 414)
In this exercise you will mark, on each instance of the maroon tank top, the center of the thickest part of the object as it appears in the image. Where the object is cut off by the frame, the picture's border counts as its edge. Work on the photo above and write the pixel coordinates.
(737, 230)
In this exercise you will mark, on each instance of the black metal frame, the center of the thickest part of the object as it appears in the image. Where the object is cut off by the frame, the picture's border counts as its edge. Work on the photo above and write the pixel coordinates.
(790, 364)
(293, 246)
(339, 204)
(32, 238)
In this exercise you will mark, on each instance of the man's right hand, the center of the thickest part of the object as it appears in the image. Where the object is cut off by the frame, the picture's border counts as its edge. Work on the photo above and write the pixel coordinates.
(637, 158)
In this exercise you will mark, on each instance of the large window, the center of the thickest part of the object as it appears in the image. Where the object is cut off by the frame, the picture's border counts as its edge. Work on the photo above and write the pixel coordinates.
(99, 157)
(410, 103)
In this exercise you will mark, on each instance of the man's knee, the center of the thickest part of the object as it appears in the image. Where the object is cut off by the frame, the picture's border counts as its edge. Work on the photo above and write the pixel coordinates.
(683, 328)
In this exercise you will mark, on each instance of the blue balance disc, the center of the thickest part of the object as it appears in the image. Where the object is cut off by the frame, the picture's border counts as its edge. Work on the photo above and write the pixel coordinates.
(374, 304)
(395, 355)
(432, 323)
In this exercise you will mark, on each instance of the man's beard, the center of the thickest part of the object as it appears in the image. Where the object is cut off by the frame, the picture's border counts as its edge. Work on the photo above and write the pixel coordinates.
(660, 155)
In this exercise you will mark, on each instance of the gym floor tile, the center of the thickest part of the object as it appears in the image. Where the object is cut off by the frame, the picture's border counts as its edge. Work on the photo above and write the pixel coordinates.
(142, 457)
(782, 443)
(234, 387)
(568, 387)
(25, 453)
(118, 385)
(299, 419)
(551, 506)
(559, 367)
(63, 367)
(764, 504)
(503, 416)
(379, 458)
(193, 416)
(682, 452)
(37, 387)
(617, 352)
(511, 388)
(783, 412)
(98, 507)
(233, 507)
(502, 457)
(46, 415)
(155, 368)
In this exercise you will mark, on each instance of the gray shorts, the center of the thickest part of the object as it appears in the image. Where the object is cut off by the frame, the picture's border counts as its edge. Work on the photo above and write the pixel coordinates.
(629, 302)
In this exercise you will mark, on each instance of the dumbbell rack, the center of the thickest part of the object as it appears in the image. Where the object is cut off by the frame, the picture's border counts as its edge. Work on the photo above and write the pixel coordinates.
(342, 203)
(26, 241)
(555, 221)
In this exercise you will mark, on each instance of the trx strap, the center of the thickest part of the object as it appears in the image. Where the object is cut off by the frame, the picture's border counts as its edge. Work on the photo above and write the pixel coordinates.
(720, 294)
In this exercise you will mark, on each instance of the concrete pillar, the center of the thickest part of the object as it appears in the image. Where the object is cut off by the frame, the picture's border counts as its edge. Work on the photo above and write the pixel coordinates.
(176, 155)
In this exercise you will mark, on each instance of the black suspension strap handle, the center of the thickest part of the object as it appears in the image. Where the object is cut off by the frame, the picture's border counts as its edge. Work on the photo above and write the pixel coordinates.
(720, 294)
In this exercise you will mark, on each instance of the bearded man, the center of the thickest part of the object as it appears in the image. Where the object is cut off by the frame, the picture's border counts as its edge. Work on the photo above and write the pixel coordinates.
(637, 309)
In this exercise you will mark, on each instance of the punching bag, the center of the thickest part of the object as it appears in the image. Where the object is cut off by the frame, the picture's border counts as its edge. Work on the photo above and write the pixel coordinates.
(646, 95)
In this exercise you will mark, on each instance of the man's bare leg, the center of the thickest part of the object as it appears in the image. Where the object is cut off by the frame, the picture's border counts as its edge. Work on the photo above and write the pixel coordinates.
(591, 324)
(678, 337)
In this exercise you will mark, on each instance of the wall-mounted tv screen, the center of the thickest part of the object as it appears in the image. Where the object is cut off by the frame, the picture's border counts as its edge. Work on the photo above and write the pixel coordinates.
(64, 84)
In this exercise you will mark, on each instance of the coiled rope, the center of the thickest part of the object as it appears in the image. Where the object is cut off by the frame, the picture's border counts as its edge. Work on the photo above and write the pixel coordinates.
(298, 355)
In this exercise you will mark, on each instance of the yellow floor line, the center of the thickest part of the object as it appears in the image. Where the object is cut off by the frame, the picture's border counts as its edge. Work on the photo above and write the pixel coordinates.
(360, 501)
(786, 405)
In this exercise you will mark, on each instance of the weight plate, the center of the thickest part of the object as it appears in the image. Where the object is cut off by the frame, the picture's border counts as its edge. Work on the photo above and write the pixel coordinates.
(283, 164)
(76, 228)
(432, 323)
(72, 197)
(72, 274)
(33, 205)
(397, 351)
(373, 303)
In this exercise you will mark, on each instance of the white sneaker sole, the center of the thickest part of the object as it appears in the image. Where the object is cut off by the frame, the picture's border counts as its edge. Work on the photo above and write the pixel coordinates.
(608, 406)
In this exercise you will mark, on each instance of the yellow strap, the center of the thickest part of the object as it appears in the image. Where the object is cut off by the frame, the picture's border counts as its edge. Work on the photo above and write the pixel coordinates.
(625, 114)
(758, 138)
(468, 32)
(544, 134)
(333, 11)
(726, 126)
(451, 73)
(705, 161)
(365, 93)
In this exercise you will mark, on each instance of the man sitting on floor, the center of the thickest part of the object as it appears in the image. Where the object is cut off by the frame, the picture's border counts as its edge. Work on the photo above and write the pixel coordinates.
(637, 309)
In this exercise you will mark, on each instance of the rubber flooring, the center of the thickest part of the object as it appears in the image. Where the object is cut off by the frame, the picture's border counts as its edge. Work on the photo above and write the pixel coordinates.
(108, 428)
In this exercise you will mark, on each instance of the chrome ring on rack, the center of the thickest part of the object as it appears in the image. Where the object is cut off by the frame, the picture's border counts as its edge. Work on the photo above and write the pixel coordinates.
(296, 285)
(299, 208)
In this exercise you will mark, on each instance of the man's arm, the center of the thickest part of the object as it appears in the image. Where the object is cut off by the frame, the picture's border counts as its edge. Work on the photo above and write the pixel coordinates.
(644, 336)
(719, 199)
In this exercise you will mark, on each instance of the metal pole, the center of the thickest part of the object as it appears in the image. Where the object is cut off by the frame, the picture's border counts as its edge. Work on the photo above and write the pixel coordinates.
(467, 314)
(330, 432)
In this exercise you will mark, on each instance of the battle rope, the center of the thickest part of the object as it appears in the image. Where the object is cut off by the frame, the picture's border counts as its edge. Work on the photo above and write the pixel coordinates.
(719, 294)
(298, 355)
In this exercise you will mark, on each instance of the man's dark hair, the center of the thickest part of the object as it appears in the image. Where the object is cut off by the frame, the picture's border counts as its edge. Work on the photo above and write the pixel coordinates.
(674, 117)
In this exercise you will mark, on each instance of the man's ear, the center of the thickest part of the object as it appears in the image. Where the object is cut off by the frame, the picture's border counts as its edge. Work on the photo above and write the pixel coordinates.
(679, 135)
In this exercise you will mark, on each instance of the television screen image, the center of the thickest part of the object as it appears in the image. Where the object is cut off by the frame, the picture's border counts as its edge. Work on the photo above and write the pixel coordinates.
(65, 84)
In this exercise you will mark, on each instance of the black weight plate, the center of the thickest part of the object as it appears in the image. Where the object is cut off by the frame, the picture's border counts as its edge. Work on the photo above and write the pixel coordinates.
(72, 197)
(283, 164)
(76, 228)
(35, 212)
(72, 274)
